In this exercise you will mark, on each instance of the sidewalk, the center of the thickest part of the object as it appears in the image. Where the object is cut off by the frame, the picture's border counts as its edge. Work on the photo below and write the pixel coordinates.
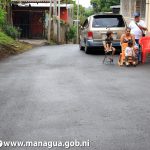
(35, 42)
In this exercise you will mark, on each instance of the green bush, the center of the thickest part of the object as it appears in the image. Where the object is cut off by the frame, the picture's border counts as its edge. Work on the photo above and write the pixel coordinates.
(71, 34)
(11, 31)
(5, 39)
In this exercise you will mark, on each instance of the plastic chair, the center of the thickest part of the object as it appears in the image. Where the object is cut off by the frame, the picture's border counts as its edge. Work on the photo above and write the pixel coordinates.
(145, 45)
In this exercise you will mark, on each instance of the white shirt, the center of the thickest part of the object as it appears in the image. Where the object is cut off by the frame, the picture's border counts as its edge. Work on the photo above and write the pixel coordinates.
(135, 29)
(129, 51)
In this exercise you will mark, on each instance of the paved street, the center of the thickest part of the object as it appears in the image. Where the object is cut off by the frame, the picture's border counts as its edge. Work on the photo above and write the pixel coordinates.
(60, 93)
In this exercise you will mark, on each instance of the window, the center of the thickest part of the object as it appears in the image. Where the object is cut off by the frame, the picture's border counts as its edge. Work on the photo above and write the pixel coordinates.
(140, 7)
(108, 21)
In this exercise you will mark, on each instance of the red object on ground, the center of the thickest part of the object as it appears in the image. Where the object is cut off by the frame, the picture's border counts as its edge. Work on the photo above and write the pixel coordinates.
(145, 45)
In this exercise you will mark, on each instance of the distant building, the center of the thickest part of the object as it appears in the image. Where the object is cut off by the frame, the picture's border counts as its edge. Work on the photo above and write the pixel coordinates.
(32, 16)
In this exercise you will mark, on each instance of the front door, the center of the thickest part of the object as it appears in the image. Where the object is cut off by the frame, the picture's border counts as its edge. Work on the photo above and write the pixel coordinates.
(37, 25)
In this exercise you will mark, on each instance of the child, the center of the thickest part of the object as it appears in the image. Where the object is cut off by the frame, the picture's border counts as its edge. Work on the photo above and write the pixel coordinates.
(130, 51)
(108, 43)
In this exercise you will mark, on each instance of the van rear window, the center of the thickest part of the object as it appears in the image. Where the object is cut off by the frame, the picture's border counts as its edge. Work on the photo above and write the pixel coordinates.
(100, 21)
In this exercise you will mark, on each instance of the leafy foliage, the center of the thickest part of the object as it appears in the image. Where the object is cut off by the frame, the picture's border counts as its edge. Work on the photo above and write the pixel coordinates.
(2, 16)
(11, 31)
(10, 46)
(88, 12)
(4, 39)
(71, 34)
(4, 3)
(103, 5)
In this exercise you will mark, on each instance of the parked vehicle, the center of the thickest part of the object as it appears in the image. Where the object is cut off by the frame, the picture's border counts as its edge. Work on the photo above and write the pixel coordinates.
(93, 32)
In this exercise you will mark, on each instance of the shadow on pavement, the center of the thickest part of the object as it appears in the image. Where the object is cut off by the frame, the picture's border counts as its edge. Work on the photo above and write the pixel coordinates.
(100, 51)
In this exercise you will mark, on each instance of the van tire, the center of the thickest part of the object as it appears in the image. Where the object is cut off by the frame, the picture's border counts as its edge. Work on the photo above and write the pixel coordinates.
(81, 47)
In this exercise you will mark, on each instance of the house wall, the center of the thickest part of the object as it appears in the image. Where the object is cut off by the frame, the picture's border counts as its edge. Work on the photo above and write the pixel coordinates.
(148, 14)
(70, 16)
(125, 8)
(128, 7)
(67, 15)
(63, 14)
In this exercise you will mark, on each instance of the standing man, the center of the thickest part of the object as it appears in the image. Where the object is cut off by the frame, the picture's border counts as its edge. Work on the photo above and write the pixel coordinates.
(138, 28)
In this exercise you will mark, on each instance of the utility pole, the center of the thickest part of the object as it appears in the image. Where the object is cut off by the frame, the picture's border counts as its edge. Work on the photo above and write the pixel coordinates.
(78, 22)
(49, 24)
(59, 21)
(55, 8)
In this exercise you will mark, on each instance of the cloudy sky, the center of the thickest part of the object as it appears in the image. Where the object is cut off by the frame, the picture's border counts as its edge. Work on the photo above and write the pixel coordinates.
(85, 3)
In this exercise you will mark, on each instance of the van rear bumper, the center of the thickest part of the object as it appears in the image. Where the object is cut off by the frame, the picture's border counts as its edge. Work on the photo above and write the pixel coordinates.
(96, 43)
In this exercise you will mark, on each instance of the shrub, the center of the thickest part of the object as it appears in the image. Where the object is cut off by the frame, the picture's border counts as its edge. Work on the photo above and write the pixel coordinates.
(71, 34)
(11, 31)
(5, 39)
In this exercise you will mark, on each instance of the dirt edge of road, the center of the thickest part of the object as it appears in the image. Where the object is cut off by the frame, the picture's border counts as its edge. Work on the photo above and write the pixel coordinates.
(14, 49)
(19, 47)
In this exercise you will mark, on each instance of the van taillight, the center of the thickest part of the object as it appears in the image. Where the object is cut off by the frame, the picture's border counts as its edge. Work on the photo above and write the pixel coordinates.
(90, 35)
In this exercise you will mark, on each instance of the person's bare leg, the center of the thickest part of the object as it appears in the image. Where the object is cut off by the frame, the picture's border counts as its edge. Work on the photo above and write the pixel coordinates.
(113, 51)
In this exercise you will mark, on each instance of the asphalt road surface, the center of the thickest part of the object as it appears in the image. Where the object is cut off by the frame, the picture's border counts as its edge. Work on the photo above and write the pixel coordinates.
(59, 93)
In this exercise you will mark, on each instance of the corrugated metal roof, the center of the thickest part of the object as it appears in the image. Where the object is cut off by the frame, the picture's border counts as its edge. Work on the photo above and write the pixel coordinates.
(43, 5)
(32, 1)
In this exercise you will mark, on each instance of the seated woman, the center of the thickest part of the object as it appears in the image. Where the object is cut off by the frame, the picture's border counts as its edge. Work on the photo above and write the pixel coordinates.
(127, 36)
(124, 43)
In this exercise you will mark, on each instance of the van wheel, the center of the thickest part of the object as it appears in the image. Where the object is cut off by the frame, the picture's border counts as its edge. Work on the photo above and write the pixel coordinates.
(81, 47)
(87, 50)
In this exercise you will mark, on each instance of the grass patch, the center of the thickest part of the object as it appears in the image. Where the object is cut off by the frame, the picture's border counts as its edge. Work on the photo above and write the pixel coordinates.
(9, 46)
(4, 39)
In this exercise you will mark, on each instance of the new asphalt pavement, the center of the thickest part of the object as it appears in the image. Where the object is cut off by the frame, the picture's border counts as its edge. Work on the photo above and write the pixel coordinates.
(59, 93)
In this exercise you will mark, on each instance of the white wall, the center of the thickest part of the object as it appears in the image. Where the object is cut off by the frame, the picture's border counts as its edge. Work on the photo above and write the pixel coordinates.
(148, 14)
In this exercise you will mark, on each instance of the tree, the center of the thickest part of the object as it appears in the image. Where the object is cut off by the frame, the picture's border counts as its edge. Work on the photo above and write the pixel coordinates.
(5, 6)
(103, 5)
(88, 12)
(4, 3)
(2, 16)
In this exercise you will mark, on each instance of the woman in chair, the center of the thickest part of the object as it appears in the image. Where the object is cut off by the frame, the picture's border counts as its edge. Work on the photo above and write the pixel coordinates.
(125, 38)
